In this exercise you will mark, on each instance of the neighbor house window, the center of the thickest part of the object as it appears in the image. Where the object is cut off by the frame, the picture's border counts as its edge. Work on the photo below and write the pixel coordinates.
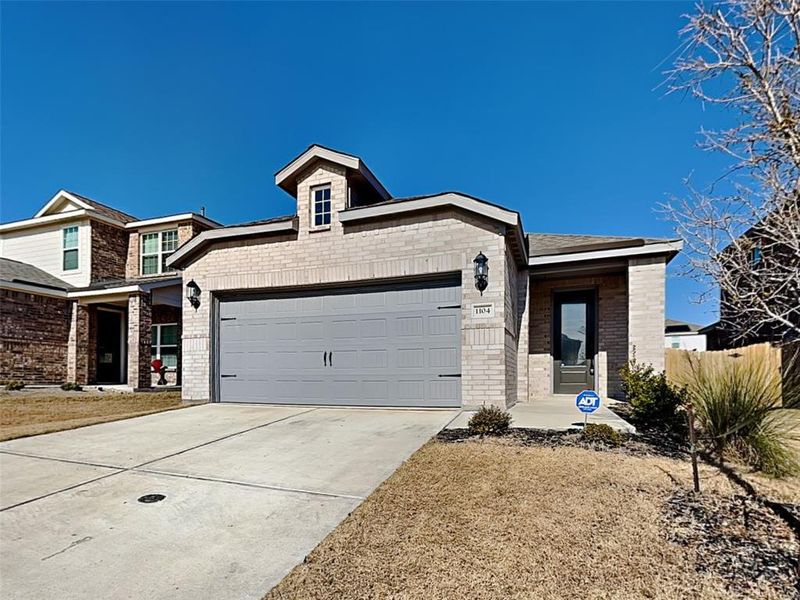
(164, 340)
(321, 208)
(756, 256)
(156, 249)
(69, 248)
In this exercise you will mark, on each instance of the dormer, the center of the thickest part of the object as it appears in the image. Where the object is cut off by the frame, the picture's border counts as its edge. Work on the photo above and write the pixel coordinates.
(325, 182)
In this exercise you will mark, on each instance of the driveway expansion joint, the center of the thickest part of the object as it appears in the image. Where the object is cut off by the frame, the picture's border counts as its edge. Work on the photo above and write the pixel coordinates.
(138, 467)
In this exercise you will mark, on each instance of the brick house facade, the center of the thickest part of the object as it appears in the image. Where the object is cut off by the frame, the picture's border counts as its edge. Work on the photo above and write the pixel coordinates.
(356, 298)
(76, 304)
(344, 238)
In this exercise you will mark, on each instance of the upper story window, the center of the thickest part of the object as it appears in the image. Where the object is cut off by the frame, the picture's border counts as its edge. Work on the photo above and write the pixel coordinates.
(156, 248)
(321, 206)
(756, 256)
(69, 248)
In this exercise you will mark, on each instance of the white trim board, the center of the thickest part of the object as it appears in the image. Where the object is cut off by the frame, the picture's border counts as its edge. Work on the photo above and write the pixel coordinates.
(669, 247)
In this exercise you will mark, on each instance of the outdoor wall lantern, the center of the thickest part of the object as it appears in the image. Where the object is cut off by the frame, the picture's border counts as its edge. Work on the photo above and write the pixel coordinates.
(193, 294)
(481, 272)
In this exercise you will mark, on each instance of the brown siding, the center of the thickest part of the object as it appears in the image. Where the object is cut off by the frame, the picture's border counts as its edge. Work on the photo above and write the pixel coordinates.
(34, 331)
(612, 318)
(109, 251)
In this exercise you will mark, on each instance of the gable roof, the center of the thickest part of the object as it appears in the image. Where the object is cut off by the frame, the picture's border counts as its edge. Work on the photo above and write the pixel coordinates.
(286, 177)
(14, 271)
(85, 203)
(106, 210)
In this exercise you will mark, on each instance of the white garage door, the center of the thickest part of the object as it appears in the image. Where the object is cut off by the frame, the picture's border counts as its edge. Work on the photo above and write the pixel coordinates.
(388, 346)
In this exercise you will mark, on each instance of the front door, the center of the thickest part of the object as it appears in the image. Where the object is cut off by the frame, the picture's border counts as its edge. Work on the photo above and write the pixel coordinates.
(109, 346)
(574, 341)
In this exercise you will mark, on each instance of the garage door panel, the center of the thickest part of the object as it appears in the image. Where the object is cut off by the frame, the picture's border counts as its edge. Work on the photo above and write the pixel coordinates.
(388, 346)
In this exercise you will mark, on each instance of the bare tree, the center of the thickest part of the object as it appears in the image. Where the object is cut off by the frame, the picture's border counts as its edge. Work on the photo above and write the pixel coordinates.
(742, 233)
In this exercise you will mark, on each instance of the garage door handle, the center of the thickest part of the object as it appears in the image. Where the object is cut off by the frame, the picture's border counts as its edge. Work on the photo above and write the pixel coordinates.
(223, 375)
(330, 359)
(325, 359)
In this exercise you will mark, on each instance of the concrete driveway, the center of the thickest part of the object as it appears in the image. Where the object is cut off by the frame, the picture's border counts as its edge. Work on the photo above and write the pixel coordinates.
(249, 491)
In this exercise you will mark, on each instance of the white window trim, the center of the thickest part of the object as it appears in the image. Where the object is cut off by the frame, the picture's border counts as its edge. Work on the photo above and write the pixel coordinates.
(156, 343)
(314, 190)
(159, 251)
(77, 248)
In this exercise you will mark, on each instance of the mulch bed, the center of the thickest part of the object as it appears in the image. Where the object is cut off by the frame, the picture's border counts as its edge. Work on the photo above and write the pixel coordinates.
(654, 443)
(736, 538)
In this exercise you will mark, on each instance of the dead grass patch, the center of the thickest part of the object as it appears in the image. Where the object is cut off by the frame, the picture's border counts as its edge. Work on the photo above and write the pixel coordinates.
(492, 519)
(32, 412)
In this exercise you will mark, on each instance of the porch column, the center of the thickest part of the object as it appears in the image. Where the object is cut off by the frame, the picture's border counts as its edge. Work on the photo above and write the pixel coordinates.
(646, 310)
(78, 345)
(139, 345)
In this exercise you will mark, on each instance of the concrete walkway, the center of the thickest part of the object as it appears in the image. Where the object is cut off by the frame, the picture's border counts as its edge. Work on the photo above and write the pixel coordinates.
(249, 492)
(557, 413)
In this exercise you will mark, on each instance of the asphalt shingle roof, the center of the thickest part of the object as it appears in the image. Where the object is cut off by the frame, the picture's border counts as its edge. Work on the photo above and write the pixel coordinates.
(20, 272)
(112, 213)
(541, 244)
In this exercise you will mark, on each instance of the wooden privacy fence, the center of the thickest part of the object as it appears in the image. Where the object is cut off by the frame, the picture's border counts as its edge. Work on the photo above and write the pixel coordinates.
(679, 369)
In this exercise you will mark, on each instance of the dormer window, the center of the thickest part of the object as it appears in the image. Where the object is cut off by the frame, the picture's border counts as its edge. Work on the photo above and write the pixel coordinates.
(321, 206)
(156, 249)
(69, 249)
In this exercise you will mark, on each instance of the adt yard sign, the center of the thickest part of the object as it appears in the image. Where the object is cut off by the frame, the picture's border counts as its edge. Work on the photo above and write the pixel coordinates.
(587, 401)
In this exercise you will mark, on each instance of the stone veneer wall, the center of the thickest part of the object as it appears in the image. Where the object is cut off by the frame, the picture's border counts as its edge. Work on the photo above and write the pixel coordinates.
(139, 345)
(646, 278)
(34, 333)
(109, 251)
(414, 245)
(612, 319)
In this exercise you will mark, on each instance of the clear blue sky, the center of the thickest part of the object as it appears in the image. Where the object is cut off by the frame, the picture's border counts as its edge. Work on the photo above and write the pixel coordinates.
(549, 109)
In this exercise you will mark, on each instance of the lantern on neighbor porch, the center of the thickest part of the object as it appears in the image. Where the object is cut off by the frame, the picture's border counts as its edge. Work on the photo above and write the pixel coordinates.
(481, 272)
(193, 294)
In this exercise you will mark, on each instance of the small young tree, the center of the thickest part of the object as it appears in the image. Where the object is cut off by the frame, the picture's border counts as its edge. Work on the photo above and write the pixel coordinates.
(744, 55)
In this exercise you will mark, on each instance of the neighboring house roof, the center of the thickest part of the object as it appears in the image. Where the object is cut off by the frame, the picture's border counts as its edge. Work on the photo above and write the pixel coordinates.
(172, 219)
(672, 326)
(286, 178)
(103, 209)
(14, 271)
(285, 224)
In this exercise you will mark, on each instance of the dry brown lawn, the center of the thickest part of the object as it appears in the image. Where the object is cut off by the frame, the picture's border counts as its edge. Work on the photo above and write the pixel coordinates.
(31, 412)
(493, 519)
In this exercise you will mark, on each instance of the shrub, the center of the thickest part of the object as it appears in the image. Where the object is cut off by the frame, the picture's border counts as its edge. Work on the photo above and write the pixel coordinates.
(71, 386)
(13, 386)
(600, 433)
(653, 399)
(739, 414)
(489, 420)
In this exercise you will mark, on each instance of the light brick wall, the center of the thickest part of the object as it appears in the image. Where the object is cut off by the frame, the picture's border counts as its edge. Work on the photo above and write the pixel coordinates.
(646, 282)
(416, 245)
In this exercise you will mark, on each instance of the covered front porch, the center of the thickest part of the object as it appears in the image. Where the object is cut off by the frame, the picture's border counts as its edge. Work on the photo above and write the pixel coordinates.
(117, 331)
(587, 319)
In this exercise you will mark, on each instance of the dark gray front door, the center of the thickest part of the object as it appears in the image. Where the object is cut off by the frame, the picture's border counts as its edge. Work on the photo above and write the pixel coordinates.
(397, 345)
(109, 346)
(574, 341)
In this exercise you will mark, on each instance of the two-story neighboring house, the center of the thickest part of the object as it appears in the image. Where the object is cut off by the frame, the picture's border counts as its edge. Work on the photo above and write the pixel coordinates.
(86, 295)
